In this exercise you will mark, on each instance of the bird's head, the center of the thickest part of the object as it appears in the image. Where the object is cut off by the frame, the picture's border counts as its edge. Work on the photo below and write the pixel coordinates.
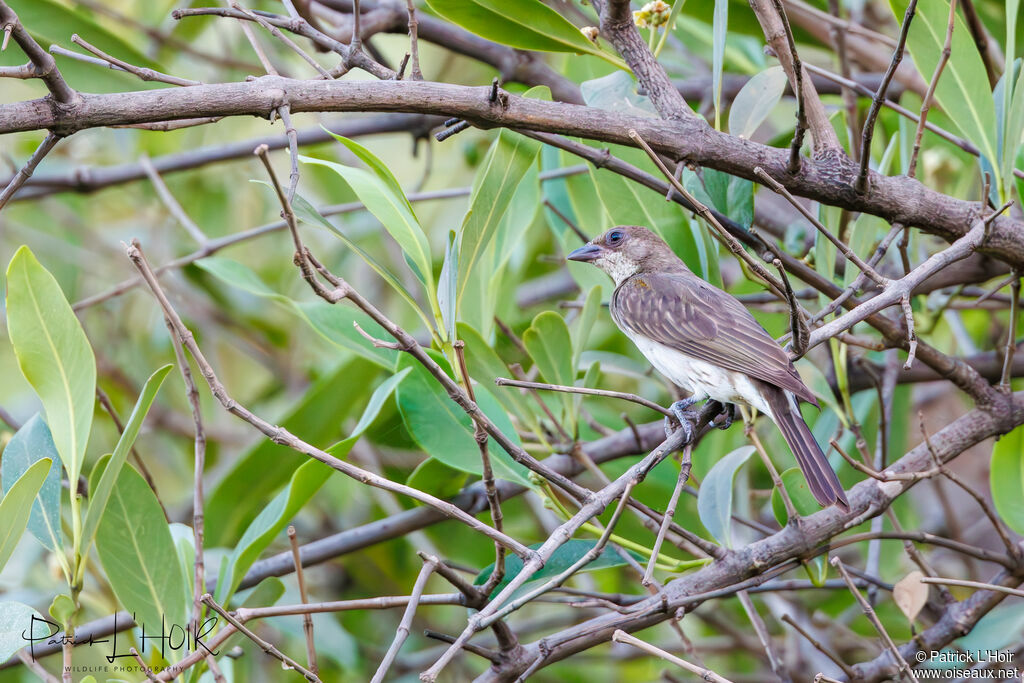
(626, 250)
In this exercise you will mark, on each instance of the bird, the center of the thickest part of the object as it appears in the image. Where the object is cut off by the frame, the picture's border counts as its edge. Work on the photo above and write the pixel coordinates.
(706, 342)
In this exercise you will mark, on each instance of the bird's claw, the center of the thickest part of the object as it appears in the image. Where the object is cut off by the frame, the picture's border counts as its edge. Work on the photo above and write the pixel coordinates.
(682, 418)
(729, 411)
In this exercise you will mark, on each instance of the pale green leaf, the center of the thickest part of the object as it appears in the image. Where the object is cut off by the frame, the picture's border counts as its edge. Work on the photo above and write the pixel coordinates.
(54, 355)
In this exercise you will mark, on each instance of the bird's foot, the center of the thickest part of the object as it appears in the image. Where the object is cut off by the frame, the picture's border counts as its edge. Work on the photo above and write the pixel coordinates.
(729, 411)
(682, 418)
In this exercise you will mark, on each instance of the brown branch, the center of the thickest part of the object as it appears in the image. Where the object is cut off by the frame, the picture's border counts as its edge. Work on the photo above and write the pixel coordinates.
(406, 623)
(25, 172)
(142, 73)
(617, 24)
(42, 61)
(898, 199)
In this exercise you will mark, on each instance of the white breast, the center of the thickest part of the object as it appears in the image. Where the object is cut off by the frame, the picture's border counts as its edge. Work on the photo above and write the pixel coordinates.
(700, 378)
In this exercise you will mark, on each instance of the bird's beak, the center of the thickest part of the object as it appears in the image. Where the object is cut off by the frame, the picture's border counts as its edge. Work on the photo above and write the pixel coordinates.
(587, 253)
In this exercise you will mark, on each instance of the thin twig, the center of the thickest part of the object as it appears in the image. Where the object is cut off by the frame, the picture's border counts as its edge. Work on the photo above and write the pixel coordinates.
(199, 467)
(670, 511)
(543, 386)
(706, 674)
(145, 668)
(947, 49)
(307, 618)
(861, 184)
(816, 644)
(493, 501)
(25, 172)
(1011, 332)
(869, 612)
(972, 584)
(845, 250)
(283, 436)
(142, 73)
(774, 660)
(414, 43)
(276, 32)
(406, 623)
(267, 647)
(170, 202)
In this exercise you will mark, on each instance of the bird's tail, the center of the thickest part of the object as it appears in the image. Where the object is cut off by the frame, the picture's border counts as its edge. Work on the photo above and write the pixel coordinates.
(821, 478)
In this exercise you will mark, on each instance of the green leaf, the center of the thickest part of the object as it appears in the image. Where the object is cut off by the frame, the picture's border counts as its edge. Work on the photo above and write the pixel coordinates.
(731, 195)
(15, 622)
(550, 347)
(333, 322)
(381, 196)
(584, 323)
(564, 557)
(28, 446)
(755, 101)
(719, 28)
(317, 417)
(17, 505)
(446, 287)
(805, 504)
(305, 481)
(509, 158)
(100, 494)
(137, 552)
(1012, 119)
(63, 608)
(1007, 478)
(714, 500)
(963, 90)
(53, 354)
(434, 477)
(445, 431)
(523, 24)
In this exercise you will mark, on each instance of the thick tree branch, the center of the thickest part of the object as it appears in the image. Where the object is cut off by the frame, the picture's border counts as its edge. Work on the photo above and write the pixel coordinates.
(897, 199)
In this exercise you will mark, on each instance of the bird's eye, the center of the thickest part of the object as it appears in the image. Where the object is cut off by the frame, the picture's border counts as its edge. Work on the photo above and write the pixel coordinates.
(615, 236)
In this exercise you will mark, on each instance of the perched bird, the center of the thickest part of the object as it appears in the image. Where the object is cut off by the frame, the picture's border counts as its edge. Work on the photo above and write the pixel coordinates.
(706, 342)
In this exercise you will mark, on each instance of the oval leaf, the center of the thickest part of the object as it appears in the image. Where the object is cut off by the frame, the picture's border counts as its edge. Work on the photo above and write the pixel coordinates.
(17, 505)
(53, 354)
(445, 431)
(755, 101)
(28, 446)
(16, 620)
(714, 500)
(137, 552)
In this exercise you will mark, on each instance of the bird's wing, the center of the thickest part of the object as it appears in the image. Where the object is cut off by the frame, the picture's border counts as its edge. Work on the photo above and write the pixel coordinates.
(685, 313)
